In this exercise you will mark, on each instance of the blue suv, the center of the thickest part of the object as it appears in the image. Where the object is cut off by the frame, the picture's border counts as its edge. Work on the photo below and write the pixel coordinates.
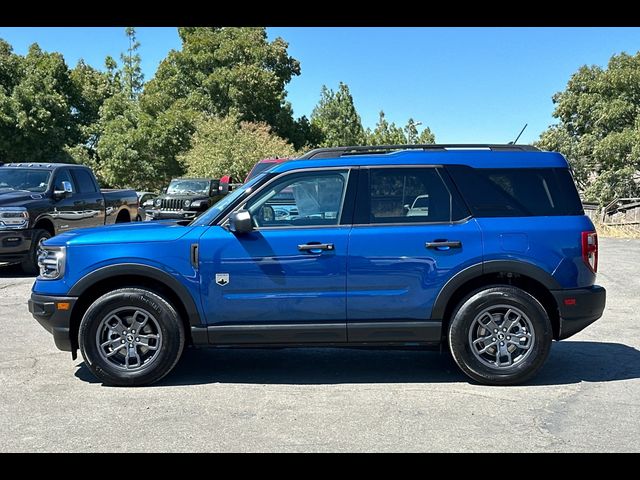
(483, 249)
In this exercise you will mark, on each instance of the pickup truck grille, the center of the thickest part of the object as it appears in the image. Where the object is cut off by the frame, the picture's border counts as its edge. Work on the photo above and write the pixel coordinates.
(171, 204)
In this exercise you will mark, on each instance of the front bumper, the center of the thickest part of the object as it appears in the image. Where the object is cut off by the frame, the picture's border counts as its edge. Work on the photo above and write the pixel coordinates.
(171, 214)
(57, 321)
(15, 245)
(579, 308)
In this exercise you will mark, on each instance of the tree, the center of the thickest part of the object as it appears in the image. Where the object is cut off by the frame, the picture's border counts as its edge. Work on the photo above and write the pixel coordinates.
(229, 146)
(220, 70)
(131, 71)
(91, 88)
(599, 128)
(336, 118)
(426, 137)
(386, 133)
(36, 105)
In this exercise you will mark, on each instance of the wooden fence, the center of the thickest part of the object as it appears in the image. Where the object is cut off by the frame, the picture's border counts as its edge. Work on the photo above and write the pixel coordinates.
(622, 211)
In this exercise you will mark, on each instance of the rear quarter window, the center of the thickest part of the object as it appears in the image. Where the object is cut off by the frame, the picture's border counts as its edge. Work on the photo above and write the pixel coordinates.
(517, 192)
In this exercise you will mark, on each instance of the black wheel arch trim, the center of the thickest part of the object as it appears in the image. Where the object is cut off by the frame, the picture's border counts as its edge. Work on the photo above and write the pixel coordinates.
(491, 266)
(154, 273)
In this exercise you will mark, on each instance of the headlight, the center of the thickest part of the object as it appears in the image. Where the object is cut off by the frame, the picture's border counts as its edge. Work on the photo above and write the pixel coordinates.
(158, 202)
(187, 203)
(51, 261)
(14, 217)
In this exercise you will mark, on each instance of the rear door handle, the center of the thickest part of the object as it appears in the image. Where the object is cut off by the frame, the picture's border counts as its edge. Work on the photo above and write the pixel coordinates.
(443, 244)
(315, 247)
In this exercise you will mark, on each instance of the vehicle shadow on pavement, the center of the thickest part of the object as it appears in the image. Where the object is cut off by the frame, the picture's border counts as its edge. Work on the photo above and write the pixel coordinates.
(13, 271)
(569, 362)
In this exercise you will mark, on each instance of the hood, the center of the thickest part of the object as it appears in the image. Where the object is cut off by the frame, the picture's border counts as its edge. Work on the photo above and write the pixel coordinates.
(9, 197)
(193, 196)
(136, 232)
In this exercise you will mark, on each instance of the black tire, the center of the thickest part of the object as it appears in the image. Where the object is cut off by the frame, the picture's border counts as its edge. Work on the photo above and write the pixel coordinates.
(30, 264)
(463, 319)
(169, 325)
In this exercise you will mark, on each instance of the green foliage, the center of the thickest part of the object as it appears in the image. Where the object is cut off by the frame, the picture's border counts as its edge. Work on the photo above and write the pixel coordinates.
(36, 101)
(138, 150)
(132, 76)
(387, 133)
(220, 70)
(336, 119)
(599, 128)
(426, 136)
(229, 146)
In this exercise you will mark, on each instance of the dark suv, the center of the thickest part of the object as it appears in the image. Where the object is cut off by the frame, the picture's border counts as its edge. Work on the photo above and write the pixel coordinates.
(482, 249)
(185, 198)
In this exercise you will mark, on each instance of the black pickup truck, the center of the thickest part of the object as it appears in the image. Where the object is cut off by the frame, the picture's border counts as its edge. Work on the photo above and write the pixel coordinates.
(40, 200)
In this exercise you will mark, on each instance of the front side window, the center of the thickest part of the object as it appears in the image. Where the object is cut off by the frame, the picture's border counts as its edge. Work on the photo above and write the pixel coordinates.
(408, 195)
(300, 199)
(62, 176)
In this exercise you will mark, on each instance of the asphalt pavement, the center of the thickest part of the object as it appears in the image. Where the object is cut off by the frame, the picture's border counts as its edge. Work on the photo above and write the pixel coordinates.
(586, 398)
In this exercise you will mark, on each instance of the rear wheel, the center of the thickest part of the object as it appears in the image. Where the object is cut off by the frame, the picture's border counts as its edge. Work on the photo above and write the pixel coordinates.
(500, 335)
(131, 337)
(30, 264)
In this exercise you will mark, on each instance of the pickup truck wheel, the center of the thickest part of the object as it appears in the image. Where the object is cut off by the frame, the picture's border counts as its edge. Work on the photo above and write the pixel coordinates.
(131, 337)
(500, 335)
(30, 264)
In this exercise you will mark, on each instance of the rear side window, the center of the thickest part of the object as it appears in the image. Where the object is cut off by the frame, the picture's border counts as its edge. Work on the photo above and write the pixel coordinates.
(517, 192)
(84, 181)
(408, 195)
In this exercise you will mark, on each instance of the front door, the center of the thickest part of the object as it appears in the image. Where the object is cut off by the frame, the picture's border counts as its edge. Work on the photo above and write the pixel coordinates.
(411, 234)
(67, 211)
(285, 281)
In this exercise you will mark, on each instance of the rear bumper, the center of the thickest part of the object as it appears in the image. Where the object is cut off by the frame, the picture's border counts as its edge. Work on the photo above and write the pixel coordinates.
(45, 310)
(15, 245)
(579, 308)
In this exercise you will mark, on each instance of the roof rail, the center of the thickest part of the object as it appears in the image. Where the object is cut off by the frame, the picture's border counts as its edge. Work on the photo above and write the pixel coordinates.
(333, 152)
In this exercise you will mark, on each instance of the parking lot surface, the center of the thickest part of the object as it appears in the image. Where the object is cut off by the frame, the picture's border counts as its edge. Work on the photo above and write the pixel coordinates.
(586, 398)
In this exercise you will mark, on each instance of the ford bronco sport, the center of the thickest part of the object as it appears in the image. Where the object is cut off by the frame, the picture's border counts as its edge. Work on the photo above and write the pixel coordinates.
(499, 261)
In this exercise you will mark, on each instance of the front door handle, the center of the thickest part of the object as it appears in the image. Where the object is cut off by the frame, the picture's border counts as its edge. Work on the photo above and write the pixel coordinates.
(314, 247)
(443, 244)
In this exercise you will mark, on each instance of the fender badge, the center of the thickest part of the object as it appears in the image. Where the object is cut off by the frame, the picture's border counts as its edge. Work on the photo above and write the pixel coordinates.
(222, 279)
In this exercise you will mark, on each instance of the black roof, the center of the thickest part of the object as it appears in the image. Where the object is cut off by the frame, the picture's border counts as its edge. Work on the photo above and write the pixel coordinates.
(50, 166)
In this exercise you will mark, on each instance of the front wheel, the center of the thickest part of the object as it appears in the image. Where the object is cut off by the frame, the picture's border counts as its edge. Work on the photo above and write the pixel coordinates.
(131, 337)
(30, 263)
(500, 335)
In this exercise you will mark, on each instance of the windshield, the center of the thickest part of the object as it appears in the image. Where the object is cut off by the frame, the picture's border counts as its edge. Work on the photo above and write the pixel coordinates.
(207, 217)
(259, 168)
(27, 179)
(188, 187)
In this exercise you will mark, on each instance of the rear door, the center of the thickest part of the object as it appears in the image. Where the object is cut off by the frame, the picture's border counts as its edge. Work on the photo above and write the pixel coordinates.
(92, 211)
(400, 256)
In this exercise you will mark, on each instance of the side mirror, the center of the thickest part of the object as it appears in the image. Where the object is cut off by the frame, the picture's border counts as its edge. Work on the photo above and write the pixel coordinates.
(66, 191)
(240, 222)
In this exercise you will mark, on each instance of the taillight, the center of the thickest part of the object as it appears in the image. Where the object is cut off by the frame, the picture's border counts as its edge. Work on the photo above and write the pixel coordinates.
(590, 250)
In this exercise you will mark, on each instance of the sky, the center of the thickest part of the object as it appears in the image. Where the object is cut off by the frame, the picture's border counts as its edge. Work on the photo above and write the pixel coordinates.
(469, 85)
